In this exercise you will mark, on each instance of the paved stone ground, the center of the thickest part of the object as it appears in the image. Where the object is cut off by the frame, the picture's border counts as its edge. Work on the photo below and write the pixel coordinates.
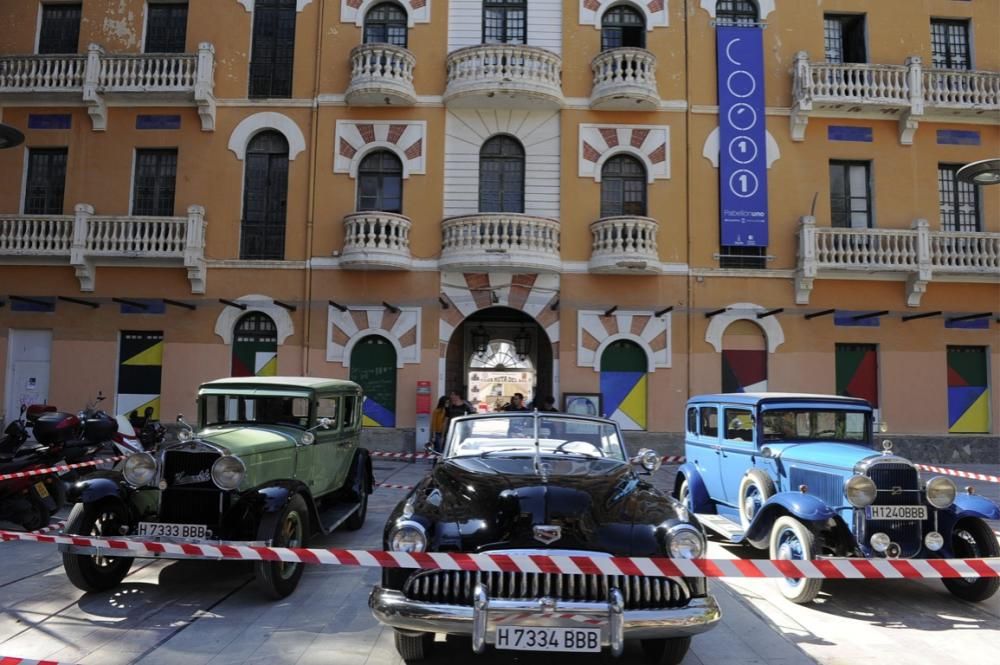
(192, 613)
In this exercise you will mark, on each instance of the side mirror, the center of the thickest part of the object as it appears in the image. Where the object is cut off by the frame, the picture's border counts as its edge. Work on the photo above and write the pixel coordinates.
(322, 423)
(649, 460)
(187, 432)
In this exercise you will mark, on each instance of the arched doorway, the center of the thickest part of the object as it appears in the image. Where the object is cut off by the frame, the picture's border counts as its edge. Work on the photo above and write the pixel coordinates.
(255, 346)
(373, 367)
(744, 358)
(496, 352)
(623, 384)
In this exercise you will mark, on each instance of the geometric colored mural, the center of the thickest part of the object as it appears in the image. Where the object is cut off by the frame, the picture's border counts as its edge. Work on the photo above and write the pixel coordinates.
(968, 390)
(255, 346)
(373, 367)
(624, 384)
(140, 367)
(857, 371)
(744, 371)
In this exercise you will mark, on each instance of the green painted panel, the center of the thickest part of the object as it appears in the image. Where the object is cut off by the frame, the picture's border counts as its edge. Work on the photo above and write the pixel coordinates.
(623, 356)
(373, 367)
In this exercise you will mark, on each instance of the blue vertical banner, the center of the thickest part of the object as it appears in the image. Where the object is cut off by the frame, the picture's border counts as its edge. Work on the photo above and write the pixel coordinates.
(742, 137)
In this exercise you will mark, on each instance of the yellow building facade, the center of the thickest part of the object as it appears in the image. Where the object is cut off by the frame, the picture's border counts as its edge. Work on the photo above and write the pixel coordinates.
(426, 195)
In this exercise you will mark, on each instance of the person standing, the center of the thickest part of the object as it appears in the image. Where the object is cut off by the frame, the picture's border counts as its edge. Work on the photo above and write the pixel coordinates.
(456, 407)
(516, 403)
(548, 405)
(439, 419)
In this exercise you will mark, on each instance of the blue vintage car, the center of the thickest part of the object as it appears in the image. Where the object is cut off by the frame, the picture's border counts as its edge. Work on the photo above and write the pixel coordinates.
(798, 474)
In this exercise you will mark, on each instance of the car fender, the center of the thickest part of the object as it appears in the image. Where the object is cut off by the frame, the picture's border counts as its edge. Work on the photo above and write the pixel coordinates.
(804, 507)
(973, 505)
(700, 500)
(94, 489)
(275, 496)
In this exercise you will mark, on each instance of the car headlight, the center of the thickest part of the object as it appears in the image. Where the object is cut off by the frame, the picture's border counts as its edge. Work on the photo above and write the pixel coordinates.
(684, 541)
(941, 492)
(860, 491)
(649, 460)
(228, 472)
(408, 537)
(140, 469)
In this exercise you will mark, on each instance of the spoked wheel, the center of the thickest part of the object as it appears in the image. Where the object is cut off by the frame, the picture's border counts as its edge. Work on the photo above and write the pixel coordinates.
(413, 648)
(791, 540)
(96, 572)
(666, 651)
(684, 495)
(289, 528)
(755, 488)
(972, 538)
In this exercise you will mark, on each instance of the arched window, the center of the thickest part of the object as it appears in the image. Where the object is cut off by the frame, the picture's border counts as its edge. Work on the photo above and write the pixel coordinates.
(505, 21)
(624, 384)
(623, 25)
(255, 346)
(623, 187)
(385, 23)
(265, 194)
(736, 12)
(380, 182)
(501, 175)
(272, 58)
(373, 367)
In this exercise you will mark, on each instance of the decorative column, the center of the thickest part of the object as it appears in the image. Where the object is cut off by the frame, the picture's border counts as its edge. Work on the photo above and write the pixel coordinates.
(194, 248)
(204, 86)
(96, 107)
(806, 272)
(916, 283)
(78, 250)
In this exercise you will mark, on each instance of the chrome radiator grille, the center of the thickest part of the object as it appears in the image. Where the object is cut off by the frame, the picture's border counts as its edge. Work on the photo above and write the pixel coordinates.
(455, 588)
(898, 485)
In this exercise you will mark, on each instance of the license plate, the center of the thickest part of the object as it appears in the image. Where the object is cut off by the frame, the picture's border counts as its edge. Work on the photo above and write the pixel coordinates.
(519, 638)
(896, 512)
(42, 490)
(190, 531)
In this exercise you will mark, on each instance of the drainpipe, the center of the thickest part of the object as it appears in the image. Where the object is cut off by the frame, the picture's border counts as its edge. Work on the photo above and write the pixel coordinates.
(687, 193)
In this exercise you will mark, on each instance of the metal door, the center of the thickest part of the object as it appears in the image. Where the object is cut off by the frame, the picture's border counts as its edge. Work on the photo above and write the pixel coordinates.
(30, 362)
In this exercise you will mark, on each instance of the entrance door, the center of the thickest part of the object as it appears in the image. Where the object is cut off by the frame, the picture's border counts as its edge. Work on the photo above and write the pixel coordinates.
(623, 384)
(30, 361)
(140, 366)
(373, 367)
(744, 358)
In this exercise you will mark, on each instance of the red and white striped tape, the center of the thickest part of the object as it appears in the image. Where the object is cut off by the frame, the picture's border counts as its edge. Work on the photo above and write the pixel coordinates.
(59, 469)
(394, 486)
(970, 475)
(10, 660)
(389, 455)
(539, 563)
(55, 526)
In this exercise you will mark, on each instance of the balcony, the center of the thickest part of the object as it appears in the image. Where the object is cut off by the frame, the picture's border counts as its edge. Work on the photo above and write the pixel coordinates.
(917, 255)
(84, 241)
(376, 241)
(908, 92)
(504, 76)
(98, 78)
(624, 80)
(381, 75)
(500, 242)
(625, 246)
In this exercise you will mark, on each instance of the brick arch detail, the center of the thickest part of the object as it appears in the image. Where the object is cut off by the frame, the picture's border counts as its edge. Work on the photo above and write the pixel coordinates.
(650, 144)
(345, 329)
(657, 12)
(595, 332)
(356, 138)
(747, 311)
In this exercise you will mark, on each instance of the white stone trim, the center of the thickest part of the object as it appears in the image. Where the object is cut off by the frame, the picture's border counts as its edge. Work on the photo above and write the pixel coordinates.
(409, 319)
(348, 132)
(765, 7)
(589, 321)
(657, 19)
(710, 149)
(249, 4)
(225, 324)
(258, 122)
(745, 311)
(657, 136)
(356, 15)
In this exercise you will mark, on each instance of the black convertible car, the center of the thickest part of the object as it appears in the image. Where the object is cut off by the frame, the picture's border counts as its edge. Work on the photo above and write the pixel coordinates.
(542, 483)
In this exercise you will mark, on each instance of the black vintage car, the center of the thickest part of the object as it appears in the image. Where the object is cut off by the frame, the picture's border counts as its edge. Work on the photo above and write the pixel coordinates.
(542, 483)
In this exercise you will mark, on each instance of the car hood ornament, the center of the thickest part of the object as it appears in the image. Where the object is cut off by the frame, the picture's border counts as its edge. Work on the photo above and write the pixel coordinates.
(547, 533)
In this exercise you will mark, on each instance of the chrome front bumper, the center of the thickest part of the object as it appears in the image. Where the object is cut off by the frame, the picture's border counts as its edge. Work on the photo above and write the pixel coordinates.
(481, 619)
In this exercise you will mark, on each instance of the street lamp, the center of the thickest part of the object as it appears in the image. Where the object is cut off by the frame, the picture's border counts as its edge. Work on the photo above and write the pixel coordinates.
(522, 344)
(983, 172)
(10, 137)
(480, 340)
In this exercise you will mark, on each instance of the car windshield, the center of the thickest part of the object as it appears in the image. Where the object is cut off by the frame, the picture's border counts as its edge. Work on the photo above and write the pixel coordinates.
(510, 434)
(804, 425)
(257, 409)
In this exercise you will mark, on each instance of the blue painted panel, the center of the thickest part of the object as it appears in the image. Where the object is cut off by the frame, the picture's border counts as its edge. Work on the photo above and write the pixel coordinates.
(50, 121)
(849, 133)
(972, 324)
(157, 122)
(152, 307)
(44, 304)
(958, 137)
(847, 319)
(742, 137)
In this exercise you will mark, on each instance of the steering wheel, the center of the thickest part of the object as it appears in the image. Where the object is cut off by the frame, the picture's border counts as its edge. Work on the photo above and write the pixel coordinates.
(562, 445)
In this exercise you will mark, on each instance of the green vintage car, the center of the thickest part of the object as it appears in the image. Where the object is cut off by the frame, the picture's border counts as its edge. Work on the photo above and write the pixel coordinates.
(273, 461)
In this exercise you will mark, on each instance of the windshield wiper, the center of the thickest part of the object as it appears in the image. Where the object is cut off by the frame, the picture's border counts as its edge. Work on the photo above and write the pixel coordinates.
(503, 450)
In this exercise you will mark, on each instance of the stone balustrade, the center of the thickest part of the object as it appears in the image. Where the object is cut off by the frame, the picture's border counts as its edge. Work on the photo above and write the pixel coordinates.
(624, 245)
(916, 254)
(910, 91)
(98, 76)
(85, 239)
(500, 241)
(624, 79)
(376, 241)
(381, 74)
(504, 76)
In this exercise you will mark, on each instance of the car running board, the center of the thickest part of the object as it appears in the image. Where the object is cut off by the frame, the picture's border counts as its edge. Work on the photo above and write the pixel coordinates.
(725, 527)
(336, 515)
